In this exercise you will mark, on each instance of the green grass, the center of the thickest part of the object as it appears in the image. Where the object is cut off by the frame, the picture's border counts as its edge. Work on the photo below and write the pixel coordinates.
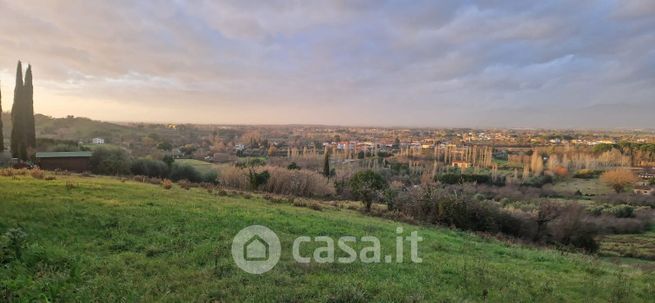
(201, 166)
(105, 240)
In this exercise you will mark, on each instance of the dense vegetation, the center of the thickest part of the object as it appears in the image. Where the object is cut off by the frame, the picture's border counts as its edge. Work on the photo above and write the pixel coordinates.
(89, 238)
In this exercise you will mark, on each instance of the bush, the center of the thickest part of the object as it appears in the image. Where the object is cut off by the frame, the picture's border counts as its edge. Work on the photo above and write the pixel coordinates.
(298, 182)
(620, 211)
(618, 179)
(37, 174)
(455, 178)
(210, 177)
(538, 181)
(450, 178)
(184, 172)
(257, 179)
(167, 184)
(234, 177)
(150, 168)
(12, 244)
(184, 184)
(570, 229)
(367, 186)
(587, 174)
(110, 161)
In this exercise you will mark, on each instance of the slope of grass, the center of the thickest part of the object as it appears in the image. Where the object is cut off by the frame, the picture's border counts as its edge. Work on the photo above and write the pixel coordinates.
(101, 239)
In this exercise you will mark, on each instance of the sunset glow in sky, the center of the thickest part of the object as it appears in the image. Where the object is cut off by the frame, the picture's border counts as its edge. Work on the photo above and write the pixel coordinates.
(389, 63)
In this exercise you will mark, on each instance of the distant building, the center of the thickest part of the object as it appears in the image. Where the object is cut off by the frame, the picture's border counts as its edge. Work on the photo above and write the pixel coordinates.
(97, 141)
(644, 190)
(70, 161)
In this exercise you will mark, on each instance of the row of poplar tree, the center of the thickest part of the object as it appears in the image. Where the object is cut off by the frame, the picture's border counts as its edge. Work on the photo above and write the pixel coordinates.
(23, 133)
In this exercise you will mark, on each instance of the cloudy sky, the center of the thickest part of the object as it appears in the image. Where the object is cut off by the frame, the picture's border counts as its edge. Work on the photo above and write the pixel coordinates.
(486, 63)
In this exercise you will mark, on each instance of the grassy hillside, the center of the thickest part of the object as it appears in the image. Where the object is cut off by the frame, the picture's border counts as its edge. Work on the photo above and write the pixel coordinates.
(101, 239)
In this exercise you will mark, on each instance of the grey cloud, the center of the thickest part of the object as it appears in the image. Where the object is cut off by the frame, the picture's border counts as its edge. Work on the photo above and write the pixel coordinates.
(351, 62)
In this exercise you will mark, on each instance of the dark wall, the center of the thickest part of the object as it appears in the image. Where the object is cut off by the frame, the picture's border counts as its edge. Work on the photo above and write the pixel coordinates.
(76, 164)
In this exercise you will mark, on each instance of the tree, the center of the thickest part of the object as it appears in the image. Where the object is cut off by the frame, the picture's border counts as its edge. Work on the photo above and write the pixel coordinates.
(28, 102)
(2, 138)
(366, 186)
(618, 179)
(17, 144)
(396, 143)
(326, 164)
(168, 159)
(23, 133)
(110, 161)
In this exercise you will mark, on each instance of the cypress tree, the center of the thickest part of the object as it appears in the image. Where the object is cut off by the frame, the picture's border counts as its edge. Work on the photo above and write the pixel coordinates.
(326, 164)
(28, 102)
(2, 137)
(18, 148)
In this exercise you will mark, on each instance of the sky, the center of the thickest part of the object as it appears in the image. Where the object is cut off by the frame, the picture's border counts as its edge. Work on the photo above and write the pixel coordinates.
(493, 63)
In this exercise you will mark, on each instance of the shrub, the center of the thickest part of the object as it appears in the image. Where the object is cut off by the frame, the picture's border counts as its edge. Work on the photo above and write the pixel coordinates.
(587, 174)
(367, 186)
(570, 229)
(184, 172)
(185, 184)
(618, 179)
(450, 178)
(167, 184)
(210, 177)
(110, 161)
(234, 177)
(561, 171)
(456, 178)
(282, 181)
(150, 168)
(293, 165)
(538, 181)
(298, 182)
(12, 244)
(620, 211)
(257, 179)
(11, 172)
(37, 174)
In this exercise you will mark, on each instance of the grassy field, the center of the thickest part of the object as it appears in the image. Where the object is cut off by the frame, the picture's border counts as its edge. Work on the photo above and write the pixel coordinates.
(99, 239)
(201, 166)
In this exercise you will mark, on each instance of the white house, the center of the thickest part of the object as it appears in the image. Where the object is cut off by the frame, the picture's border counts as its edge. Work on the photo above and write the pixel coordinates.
(98, 141)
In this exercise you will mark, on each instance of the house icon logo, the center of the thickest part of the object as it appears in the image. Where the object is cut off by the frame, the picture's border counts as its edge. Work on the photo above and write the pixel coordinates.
(256, 249)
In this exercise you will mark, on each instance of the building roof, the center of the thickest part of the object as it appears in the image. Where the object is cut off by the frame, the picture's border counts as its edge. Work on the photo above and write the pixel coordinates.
(78, 154)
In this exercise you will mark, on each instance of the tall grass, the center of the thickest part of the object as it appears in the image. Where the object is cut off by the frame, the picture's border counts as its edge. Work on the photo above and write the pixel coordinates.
(298, 182)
